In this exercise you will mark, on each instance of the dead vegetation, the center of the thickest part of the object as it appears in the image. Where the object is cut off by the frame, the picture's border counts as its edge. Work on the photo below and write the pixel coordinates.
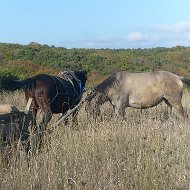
(148, 150)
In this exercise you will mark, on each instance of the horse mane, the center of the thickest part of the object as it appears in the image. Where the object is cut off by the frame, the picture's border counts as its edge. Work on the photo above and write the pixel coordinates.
(99, 93)
(110, 82)
(67, 75)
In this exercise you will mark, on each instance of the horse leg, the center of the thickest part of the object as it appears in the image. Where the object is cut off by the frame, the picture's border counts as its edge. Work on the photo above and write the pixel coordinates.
(29, 143)
(179, 108)
(34, 114)
(119, 107)
(168, 106)
(120, 111)
(46, 118)
(37, 137)
(34, 107)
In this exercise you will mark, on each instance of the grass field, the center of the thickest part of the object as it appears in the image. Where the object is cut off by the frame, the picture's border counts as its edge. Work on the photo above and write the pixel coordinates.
(149, 150)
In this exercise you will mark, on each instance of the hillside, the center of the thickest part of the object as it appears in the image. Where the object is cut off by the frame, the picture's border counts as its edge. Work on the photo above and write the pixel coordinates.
(21, 61)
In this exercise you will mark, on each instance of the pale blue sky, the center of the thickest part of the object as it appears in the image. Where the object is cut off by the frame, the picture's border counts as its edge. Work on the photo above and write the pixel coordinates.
(96, 23)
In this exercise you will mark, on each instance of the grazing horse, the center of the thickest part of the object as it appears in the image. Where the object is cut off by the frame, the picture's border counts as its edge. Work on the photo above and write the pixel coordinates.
(138, 90)
(53, 94)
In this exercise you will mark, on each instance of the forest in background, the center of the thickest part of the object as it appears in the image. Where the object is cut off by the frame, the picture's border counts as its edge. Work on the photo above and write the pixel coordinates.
(22, 61)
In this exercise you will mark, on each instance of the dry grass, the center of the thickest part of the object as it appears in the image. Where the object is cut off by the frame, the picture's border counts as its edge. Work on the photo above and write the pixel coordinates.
(147, 151)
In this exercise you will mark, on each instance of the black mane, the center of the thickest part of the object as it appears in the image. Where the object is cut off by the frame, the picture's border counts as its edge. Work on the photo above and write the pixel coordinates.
(107, 84)
(99, 94)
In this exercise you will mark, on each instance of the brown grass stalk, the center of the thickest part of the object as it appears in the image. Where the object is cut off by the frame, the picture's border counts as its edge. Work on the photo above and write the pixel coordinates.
(148, 150)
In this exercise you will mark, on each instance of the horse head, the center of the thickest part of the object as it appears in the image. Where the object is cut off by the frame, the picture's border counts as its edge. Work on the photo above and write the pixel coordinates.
(93, 102)
(81, 77)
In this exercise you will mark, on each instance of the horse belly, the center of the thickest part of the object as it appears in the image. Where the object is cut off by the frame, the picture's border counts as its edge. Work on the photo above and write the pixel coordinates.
(144, 102)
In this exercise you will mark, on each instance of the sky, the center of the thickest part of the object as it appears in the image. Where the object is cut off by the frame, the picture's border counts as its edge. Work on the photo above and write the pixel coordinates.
(111, 24)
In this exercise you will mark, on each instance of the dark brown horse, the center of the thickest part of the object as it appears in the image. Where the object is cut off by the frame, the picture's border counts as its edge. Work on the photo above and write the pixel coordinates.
(53, 94)
(138, 90)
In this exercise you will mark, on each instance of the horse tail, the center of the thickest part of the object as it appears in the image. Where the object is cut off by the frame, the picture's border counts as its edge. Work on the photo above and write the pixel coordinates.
(12, 85)
(185, 80)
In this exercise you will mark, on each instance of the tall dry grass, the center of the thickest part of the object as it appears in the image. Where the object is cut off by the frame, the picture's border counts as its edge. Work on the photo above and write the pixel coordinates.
(148, 151)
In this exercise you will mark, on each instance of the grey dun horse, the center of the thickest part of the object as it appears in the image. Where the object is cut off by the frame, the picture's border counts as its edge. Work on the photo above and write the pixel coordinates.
(138, 90)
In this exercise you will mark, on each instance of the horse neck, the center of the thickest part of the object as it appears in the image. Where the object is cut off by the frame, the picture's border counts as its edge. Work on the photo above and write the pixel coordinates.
(71, 77)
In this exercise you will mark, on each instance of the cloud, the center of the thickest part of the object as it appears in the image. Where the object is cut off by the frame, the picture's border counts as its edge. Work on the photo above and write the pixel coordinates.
(130, 40)
(136, 37)
(165, 35)
(162, 35)
(174, 34)
(180, 27)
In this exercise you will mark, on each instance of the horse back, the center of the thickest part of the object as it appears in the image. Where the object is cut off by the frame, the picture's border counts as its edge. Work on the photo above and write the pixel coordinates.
(160, 80)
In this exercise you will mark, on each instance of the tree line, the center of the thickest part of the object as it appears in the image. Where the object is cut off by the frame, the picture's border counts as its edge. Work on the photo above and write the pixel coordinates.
(21, 61)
